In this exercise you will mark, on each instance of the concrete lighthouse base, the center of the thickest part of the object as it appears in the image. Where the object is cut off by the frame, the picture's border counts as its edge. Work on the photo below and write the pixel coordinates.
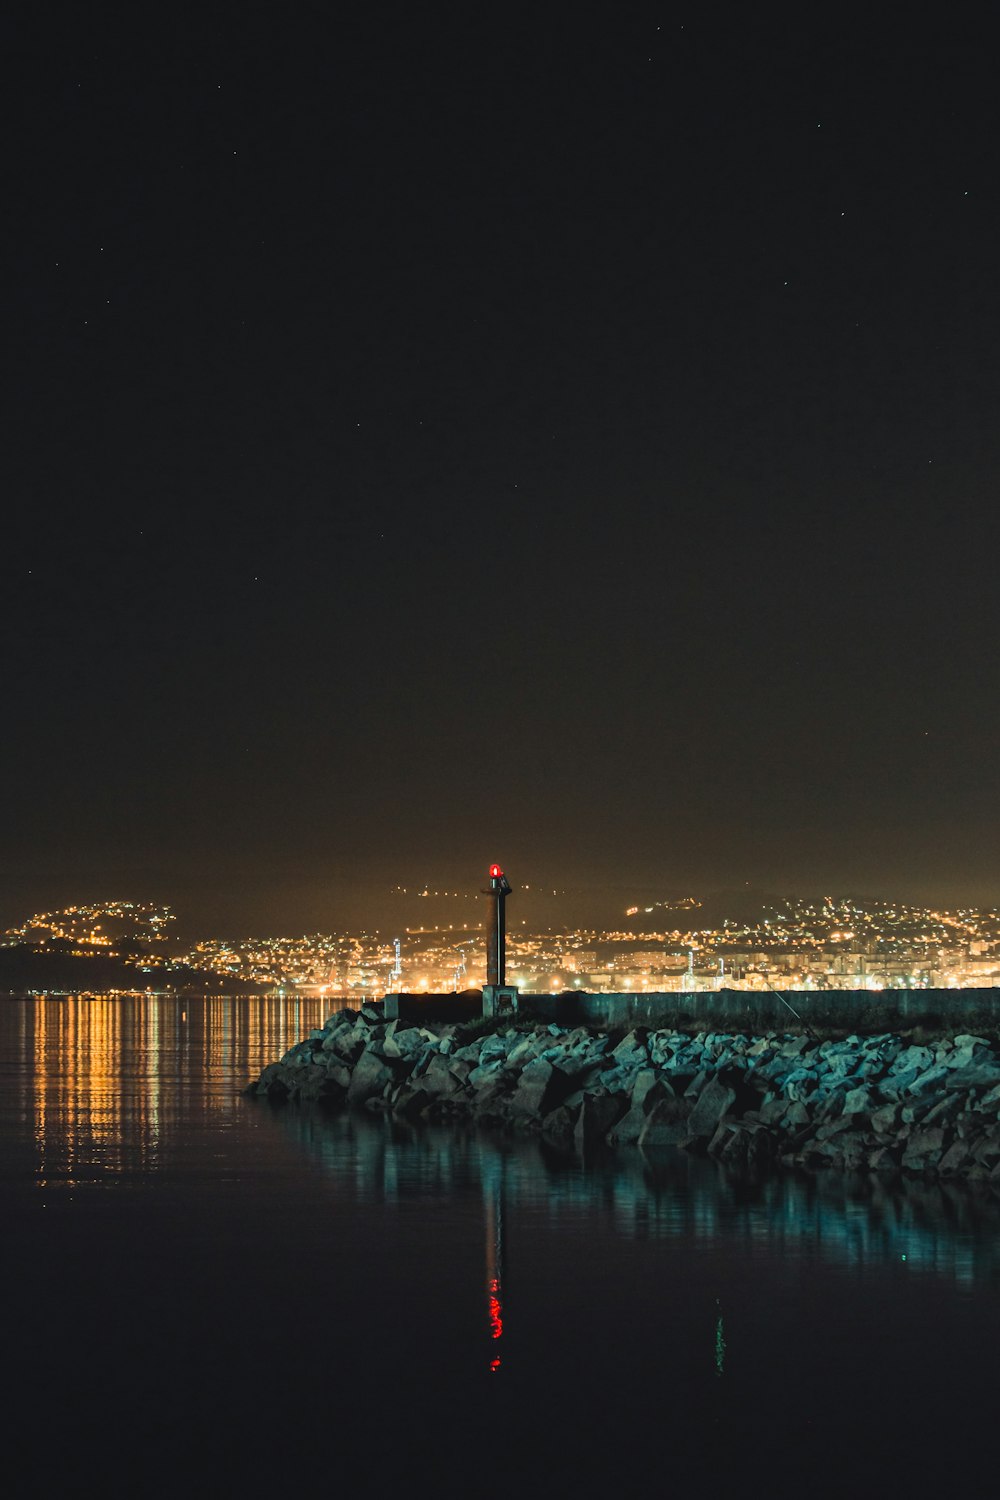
(499, 999)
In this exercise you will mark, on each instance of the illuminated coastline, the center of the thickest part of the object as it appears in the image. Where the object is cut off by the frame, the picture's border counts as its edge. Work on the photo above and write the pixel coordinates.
(830, 944)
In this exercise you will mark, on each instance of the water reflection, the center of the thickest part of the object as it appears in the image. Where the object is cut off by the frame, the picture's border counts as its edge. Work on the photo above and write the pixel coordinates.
(949, 1230)
(720, 1342)
(493, 1215)
(99, 1086)
(202, 1307)
(92, 1077)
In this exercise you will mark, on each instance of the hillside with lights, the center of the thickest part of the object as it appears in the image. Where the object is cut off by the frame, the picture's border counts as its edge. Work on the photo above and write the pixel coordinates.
(684, 943)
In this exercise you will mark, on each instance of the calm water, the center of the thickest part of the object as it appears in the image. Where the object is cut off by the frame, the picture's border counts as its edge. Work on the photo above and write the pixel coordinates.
(204, 1294)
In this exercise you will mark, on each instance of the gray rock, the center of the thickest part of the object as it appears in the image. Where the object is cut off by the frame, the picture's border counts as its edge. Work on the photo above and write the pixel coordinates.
(339, 1075)
(443, 1075)
(965, 1042)
(697, 1083)
(773, 1109)
(986, 1150)
(410, 1101)
(496, 1049)
(347, 1046)
(559, 1123)
(663, 1126)
(647, 1091)
(631, 1051)
(885, 1120)
(599, 1113)
(984, 1074)
(913, 1112)
(485, 1073)
(731, 1145)
(529, 1047)
(370, 1076)
(854, 1148)
(796, 1116)
(954, 1159)
(579, 1065)
(896, 1084)
(945, 1110)
(528, 1096)
(929, 1079)
(795, 1046)
(917, 1058)
(422, 1060)
(924, 1149)
(713, 1102)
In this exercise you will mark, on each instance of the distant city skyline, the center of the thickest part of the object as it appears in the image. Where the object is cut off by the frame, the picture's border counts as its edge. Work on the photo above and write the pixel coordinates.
(687, 945)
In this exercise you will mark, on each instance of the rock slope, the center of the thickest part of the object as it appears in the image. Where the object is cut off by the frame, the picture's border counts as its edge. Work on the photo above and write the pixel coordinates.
(873, 1103)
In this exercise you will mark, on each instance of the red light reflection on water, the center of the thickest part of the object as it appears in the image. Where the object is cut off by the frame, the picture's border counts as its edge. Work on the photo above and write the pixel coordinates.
(496, 1310)
(496, 1317)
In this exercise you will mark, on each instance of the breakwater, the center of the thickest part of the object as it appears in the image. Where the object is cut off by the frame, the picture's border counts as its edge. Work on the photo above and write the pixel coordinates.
(883, 1102)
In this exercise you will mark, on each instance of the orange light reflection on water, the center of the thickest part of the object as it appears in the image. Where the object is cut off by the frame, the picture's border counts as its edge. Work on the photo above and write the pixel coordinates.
(98, 1065)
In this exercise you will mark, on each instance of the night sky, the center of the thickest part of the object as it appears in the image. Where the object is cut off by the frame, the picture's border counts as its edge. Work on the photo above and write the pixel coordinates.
(437, 434)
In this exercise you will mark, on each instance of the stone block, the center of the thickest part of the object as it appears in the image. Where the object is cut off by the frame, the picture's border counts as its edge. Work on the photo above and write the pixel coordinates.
(714, 1101)
(442, 1076)
(529, 1095)
(370, 1076)
(954, 1159)
(663, 1127)
(885, 1119)
(924, 1149)
(598, 1114)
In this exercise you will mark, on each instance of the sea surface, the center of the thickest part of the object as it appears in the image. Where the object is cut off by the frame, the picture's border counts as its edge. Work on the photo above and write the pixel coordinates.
(207, 1295)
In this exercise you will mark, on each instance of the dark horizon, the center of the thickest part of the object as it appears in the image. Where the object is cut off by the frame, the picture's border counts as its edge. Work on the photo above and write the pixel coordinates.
(438, 438)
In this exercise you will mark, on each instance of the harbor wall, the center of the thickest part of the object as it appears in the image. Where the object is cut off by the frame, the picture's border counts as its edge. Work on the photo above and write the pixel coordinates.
(754, 1011)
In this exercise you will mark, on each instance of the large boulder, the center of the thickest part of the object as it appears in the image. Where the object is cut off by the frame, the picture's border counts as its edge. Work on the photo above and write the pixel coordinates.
(272, 1084)
(485, 1073)
(442, 1076)
(599, 1113)
(529, 1095)
(713, 1102)
(741, 1145)
(632, 1051)
(647, 1090)
(411, 1100)
(368, 1080)
(559, 1124)
(954, 1159)
(924, 1149)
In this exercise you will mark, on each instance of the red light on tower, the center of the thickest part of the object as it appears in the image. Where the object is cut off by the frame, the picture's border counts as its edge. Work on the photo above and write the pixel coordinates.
(495, 872)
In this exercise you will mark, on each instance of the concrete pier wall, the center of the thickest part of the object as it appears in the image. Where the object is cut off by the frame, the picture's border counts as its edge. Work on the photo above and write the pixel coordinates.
(756, 1011)
(729, 1010)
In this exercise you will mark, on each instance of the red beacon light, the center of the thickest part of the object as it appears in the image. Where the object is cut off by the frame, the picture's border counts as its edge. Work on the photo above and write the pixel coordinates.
(495, 872)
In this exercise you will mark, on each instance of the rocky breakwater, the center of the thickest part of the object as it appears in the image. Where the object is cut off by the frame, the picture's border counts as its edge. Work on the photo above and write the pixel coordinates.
(863, 1103)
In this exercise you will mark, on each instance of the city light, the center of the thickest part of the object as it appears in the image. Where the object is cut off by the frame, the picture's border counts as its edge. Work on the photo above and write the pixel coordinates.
(798, 944)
